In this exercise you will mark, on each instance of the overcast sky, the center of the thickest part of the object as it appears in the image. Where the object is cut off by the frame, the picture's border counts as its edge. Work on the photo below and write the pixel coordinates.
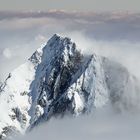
(86, 5)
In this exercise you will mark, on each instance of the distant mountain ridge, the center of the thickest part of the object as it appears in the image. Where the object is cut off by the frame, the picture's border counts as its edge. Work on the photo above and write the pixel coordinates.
(57, 80)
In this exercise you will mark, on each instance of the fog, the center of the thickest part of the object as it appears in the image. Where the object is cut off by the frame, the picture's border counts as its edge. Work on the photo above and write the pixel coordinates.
(115, 36)
(104, 124)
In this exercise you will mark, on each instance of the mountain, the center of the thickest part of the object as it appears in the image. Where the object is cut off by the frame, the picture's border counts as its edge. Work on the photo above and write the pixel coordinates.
(57, 80)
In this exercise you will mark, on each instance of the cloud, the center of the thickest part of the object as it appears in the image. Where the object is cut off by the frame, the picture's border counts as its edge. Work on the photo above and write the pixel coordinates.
(7, 53)
(101, 26)
(26, 31)
(104, 124)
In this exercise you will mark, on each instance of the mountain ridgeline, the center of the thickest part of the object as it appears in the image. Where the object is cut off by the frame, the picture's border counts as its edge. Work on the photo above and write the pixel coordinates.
(59, 80)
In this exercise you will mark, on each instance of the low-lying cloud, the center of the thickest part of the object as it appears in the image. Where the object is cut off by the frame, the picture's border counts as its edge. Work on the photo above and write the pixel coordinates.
(104, 124)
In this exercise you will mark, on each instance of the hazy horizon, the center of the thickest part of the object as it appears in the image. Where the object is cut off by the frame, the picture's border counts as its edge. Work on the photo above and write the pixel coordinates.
(78, 5)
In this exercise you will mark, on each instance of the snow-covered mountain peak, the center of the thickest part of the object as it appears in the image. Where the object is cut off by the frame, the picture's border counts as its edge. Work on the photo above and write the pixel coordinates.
(56, 46)
(32, 88)
(57, 80)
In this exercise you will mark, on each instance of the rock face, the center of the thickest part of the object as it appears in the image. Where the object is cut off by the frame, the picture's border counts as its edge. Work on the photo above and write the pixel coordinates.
(59, 80)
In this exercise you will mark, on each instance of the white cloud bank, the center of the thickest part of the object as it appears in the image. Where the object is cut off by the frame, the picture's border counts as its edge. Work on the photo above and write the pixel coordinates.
(104, 124)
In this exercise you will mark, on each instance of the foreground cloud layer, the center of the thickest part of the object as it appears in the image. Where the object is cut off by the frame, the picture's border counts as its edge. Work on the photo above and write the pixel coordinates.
(104, 124)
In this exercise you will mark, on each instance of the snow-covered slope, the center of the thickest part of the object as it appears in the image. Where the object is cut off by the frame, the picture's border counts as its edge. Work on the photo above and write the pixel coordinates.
(58, 79)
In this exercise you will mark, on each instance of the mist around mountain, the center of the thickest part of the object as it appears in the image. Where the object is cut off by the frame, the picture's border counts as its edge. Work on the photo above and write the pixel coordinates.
(59, 80)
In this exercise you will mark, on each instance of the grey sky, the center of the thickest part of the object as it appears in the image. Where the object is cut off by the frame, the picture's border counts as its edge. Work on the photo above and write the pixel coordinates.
(86, 5)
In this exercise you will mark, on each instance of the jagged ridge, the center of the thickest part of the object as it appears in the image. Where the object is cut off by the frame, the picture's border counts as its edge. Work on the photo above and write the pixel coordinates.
(59, 80)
